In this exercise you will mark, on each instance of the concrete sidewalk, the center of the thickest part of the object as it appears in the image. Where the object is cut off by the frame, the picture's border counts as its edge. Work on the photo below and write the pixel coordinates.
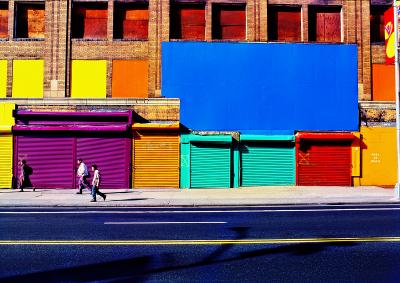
(200, 197)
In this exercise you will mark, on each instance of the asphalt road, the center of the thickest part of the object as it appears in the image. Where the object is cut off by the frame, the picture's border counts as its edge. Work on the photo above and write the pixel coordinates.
(256, 244)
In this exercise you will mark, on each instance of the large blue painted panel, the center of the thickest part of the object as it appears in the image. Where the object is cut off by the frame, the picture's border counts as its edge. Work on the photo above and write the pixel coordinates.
(262, 86)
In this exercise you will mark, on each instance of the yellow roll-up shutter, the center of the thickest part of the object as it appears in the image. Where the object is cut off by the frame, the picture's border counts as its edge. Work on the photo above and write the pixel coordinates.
(156, 159)
(6, 160)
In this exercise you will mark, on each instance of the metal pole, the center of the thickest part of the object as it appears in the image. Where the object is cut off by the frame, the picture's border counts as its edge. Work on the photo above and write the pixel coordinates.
(396, 66)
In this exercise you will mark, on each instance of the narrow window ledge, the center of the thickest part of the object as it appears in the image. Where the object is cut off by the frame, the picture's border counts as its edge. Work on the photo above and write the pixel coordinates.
(28, 39)
(129, 40)
(89, 39)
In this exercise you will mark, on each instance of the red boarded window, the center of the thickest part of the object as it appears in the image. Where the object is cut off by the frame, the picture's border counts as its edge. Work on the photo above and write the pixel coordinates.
(89, 20)
(284, 23)
(3, 20)
(324, 24)
(131, 21)
(229, 21)
(29, 20)
(377, 22)
(188, 21)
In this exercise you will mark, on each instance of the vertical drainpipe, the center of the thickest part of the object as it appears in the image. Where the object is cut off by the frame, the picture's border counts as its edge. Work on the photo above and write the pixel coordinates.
(236, 164)
(396, 63)
(185, 162)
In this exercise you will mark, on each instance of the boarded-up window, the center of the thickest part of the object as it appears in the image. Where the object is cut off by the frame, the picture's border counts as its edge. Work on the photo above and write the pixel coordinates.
(89, 20)
(30, 20)
(324, 24)
(229, 21)
(188, 21)
(377, 23)
(89, 79)
(131, 21)
(3, 20)
(130, 78)
(383, 82)
(27, 79)
(284, 23)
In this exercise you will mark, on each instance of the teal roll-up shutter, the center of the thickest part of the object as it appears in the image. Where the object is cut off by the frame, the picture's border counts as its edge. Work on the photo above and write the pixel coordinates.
(269, 163)
(210, 165)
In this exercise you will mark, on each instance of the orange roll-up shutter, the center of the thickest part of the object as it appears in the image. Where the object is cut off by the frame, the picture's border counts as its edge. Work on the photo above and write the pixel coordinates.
(156, 159)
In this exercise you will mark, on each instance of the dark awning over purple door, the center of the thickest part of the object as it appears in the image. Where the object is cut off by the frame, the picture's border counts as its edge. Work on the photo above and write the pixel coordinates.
(51, 158)
(112, 156)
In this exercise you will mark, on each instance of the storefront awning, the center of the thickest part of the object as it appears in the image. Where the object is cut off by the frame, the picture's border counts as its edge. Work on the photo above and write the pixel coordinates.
(324, 136)
(80, 128)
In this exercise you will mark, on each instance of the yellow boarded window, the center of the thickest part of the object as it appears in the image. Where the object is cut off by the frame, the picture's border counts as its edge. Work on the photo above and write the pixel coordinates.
(3, 78)
(89, 79)
(28, 78)
(6, 115)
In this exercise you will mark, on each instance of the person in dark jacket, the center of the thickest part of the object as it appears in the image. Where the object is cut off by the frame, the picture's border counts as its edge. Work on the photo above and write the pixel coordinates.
(24, 179)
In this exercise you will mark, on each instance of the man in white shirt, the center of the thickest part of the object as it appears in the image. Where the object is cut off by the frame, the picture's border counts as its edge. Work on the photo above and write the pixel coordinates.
(83, 174)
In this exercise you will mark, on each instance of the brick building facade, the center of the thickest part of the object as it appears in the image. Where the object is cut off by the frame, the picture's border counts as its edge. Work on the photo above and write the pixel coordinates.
(58, 47)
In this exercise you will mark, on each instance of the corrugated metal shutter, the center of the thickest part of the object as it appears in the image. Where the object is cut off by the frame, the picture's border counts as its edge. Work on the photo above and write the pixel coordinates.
(6, 162)
(156, 160)
(268, 163)
(51, 158)
(324, 163)
(112, 156)
(210, 165)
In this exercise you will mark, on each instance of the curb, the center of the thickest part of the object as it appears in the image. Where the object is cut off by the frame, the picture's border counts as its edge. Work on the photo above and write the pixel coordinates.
(205, 205)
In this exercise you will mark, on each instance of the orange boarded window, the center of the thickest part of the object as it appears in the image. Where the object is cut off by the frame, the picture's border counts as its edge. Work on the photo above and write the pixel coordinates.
(229, 21)
(130, 78)
(131, 21)
(324, 24)
(188, 21)
(30, 20)
(383, 83)
(89, 20)
(3, 20)
(284, 23)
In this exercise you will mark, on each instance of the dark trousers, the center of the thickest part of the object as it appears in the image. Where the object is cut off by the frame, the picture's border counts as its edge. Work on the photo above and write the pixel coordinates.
(83, 182)
(95, 191)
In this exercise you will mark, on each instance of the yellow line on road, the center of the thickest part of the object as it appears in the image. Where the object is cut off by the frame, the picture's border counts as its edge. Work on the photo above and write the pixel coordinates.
(198, 242)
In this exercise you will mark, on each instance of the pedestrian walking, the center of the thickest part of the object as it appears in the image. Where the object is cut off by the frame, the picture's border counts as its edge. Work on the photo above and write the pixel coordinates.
(83, 174)
(96, 184)
(24, 179)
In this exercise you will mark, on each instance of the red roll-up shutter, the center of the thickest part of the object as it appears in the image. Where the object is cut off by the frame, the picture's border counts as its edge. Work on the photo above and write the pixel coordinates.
(112, 155)
(51, 158)
(324, 163)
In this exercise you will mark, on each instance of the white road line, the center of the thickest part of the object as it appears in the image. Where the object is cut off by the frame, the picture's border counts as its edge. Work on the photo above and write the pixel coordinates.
(156, 223)
(202, 211)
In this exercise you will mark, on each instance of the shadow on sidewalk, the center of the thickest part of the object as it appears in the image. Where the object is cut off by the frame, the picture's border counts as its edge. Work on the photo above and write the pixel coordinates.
(129, 199)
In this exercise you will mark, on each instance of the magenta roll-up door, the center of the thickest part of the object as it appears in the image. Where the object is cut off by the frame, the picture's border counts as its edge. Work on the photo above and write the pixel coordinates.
(51, 158)
(112, 155)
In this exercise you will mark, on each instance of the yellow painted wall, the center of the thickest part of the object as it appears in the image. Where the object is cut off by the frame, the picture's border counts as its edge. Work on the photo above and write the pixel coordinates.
(89, 79)
(28, 78)
(3, 78)
(6, 156)
(6, 114)
(378, 157)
